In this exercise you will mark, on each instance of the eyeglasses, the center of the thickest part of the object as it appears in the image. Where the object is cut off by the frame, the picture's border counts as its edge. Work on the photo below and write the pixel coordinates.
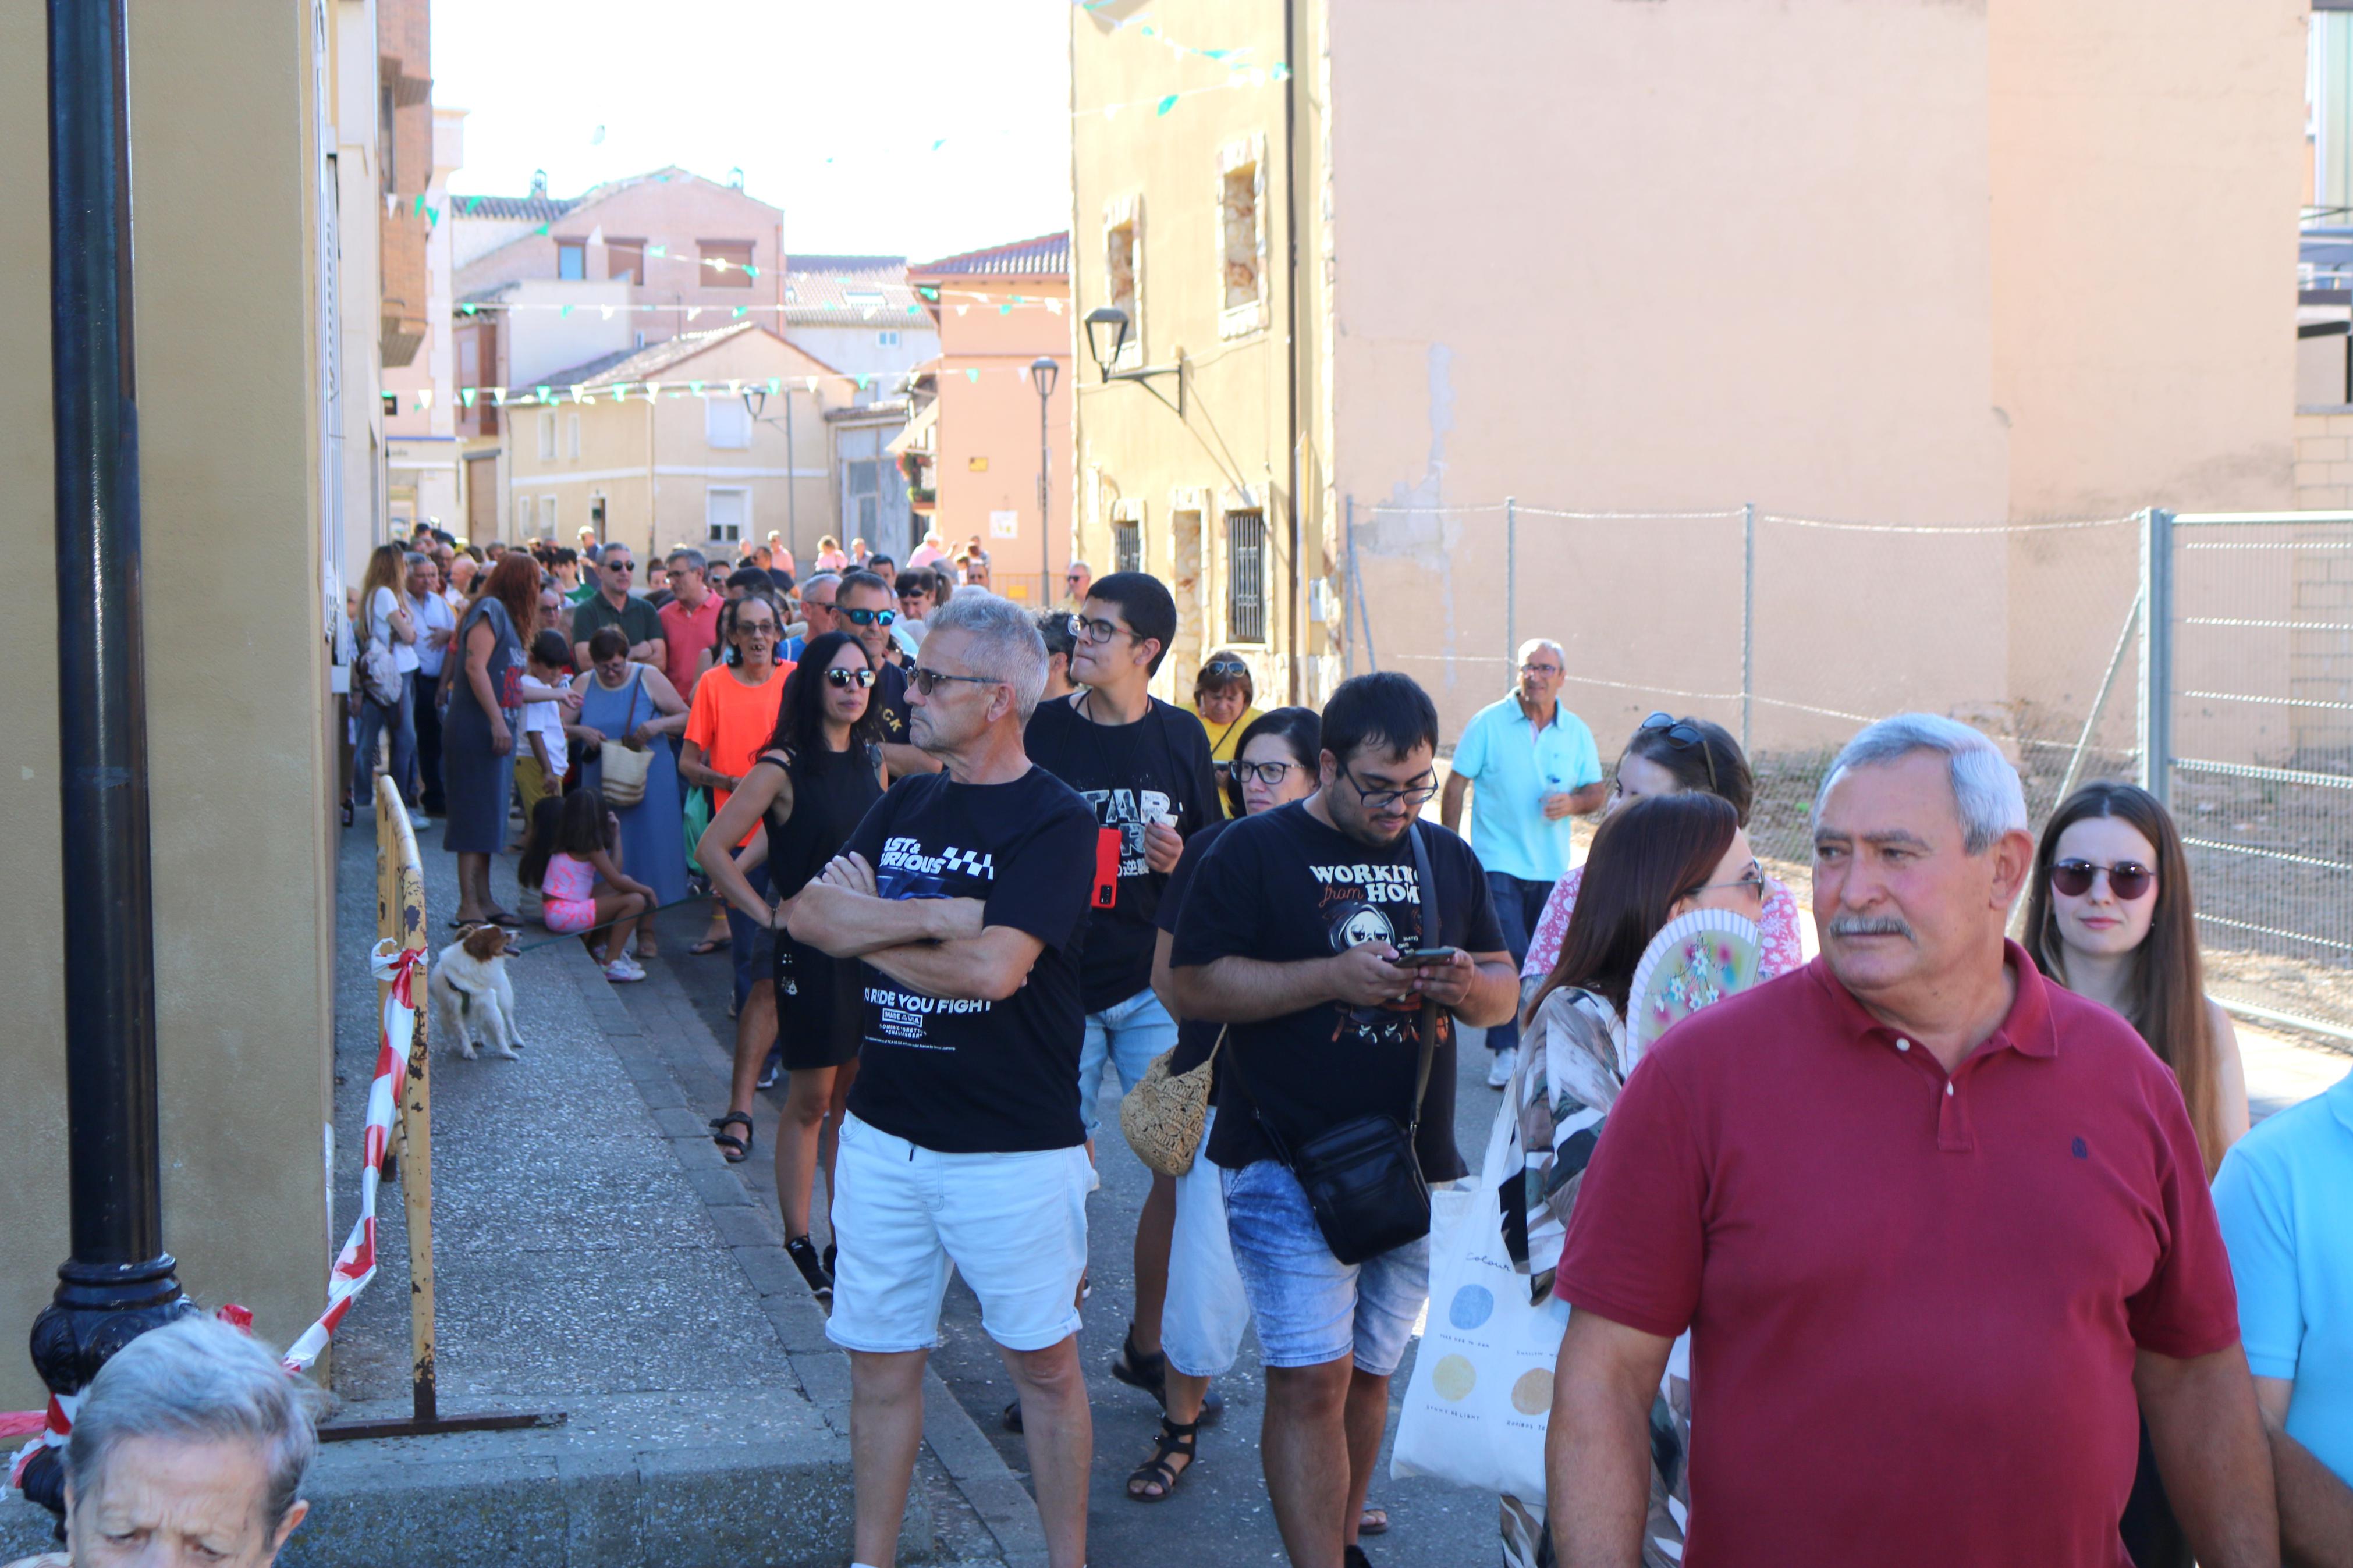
(1751, 881)
(1683, 735)
(848, 678)
(1086, 630)
(1533, 669)
(868, 618)
(1271, 775)
(2129, 880)
(926, 681)
(1414, 796)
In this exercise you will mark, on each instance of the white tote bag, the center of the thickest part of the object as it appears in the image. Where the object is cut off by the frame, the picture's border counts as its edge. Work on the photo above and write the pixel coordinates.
(1476, 1407)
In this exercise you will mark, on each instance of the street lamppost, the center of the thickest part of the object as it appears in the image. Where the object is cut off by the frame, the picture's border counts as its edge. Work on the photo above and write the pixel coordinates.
(1042, 374)
(756, 398)
(119, 1281)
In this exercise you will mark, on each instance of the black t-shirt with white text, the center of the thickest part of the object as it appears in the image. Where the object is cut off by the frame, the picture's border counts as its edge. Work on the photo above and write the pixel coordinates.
(1156, 768)
(891, 703)
(969, 1077)
(1283, 887)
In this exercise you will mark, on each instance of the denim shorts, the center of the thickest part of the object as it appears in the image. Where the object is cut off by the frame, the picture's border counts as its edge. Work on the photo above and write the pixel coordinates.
(1124, 1036)
(1311, 1308)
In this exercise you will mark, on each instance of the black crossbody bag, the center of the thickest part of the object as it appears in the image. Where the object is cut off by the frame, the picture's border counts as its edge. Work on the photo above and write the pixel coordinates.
(1361, 1178)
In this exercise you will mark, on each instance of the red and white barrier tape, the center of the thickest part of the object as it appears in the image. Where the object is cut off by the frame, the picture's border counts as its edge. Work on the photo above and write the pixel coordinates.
(355, 1265)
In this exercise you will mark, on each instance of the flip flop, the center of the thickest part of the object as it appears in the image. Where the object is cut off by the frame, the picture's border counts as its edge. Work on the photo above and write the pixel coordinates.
(506, 918)
(708, 945)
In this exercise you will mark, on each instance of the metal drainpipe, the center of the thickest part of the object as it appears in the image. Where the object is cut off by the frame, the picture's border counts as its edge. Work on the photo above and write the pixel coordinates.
(118, 1282)
(1296, 612)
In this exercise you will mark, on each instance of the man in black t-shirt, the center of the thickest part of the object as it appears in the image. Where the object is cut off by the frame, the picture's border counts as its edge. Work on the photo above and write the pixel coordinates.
(1290, 935)
(1144, 766)
(965, 892)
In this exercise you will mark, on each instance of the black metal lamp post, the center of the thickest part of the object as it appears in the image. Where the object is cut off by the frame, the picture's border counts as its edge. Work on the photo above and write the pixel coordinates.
(1043, 373)
(120, 1282)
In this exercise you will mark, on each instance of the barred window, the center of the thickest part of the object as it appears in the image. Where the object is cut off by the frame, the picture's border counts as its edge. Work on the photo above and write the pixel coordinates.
(1128, 544)
(1246, 576)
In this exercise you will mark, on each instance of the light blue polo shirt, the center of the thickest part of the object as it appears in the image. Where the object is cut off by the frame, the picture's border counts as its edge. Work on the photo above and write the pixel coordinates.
(2284, 1196)
(1511, 768)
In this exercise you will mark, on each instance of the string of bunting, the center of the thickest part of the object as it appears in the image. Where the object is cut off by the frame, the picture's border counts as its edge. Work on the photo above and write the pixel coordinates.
(549, 395)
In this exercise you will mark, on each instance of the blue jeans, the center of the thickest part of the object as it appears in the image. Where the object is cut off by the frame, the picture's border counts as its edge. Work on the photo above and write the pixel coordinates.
(1126, 1035)
(1518, 906)
(1310, 1306)
(375, 718)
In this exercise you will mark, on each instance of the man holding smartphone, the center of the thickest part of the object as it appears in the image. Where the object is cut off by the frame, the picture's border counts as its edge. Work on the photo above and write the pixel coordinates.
(1301, 932)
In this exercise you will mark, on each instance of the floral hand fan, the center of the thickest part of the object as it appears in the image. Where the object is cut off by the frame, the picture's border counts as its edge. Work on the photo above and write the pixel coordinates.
(1695, 960)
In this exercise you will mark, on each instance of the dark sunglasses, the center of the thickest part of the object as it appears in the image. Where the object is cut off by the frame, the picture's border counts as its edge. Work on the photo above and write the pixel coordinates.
(848, 678)
(927, 680)
(1683, 735)
(2128, 879)
(621, 566)
(868, 618)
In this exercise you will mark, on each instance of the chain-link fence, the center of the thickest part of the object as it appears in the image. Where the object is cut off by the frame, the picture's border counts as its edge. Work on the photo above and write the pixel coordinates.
(1794, 631)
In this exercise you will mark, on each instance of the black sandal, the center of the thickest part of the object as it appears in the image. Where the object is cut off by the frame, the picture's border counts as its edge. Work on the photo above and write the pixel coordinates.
(737, 1150)
(1175, 1439)
(1137, 1370)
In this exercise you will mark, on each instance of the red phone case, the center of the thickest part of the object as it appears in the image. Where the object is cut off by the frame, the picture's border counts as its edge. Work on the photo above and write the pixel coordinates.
(1106, 867)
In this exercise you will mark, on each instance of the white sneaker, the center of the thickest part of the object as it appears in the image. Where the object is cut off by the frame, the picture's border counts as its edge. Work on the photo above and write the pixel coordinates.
(623, 972)
(1499, 1071)
(419, 821)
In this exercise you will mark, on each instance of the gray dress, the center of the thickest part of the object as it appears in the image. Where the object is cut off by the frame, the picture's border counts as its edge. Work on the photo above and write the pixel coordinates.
(476, 780)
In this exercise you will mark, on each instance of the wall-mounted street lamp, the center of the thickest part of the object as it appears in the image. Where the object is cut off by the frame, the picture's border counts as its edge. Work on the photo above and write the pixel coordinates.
(1107, 324)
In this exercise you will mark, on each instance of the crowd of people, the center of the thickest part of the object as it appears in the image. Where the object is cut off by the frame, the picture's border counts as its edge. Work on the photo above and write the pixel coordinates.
(1940, 1247)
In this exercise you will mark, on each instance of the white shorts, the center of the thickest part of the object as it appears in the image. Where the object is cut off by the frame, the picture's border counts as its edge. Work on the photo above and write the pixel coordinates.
(1015, 1226)
(1203, 1320)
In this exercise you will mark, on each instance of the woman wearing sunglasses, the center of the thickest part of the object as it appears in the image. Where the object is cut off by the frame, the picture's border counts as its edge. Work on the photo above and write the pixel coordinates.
(2109, 916)
(821, 771)
(1222, 698)
(1675, 756)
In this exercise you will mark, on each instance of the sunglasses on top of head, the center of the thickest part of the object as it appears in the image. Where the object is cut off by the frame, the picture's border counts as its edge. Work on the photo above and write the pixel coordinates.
(1683, 735)
(2129, 880)
(845, 677)
(868, 618)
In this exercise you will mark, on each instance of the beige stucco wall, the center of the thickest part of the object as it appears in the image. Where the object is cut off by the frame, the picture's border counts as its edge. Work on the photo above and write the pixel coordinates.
(988, 414)
(1229, 451)
(220, 94)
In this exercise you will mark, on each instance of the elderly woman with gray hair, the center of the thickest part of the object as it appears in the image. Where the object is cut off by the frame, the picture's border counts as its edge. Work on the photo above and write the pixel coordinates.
(190, 1445)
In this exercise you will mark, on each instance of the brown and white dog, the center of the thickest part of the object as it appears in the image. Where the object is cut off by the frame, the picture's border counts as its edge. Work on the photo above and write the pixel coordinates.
(469, 995)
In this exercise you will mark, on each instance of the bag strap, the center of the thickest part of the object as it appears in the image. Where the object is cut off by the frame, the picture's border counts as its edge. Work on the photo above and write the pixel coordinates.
(1428, 886)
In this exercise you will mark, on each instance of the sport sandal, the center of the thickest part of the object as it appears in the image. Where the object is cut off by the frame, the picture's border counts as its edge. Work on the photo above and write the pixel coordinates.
(1174, 1441)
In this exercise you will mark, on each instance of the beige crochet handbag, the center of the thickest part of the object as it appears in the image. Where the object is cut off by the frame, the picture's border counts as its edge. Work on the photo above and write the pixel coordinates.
(1163, 1115)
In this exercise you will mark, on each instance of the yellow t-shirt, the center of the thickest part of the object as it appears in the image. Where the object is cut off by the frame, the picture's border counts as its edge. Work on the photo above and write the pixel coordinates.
(1224, 740)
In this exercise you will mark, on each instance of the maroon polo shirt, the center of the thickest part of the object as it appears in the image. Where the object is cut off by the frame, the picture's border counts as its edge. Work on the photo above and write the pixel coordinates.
(1914, 1299)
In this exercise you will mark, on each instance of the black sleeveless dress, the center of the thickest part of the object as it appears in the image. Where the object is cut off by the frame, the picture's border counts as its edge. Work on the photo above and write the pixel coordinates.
(818, 1009)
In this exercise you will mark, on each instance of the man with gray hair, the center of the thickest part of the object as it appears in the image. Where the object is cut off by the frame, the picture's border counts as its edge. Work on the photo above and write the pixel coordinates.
(964, 891)
(1938, 1227)
(192, 1441)
(1535, 764)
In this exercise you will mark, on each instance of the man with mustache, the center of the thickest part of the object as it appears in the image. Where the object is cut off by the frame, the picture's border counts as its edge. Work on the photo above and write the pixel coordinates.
(1935, 1225)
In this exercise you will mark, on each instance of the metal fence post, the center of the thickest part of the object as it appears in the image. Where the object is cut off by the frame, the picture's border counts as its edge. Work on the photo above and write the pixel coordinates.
(1747, 621)
(1511, 584)
(2157, 653)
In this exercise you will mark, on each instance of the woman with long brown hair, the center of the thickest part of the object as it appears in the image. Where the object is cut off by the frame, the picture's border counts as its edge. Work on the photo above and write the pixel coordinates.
(2109, 916)
(1655, 858)
(477, 740)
